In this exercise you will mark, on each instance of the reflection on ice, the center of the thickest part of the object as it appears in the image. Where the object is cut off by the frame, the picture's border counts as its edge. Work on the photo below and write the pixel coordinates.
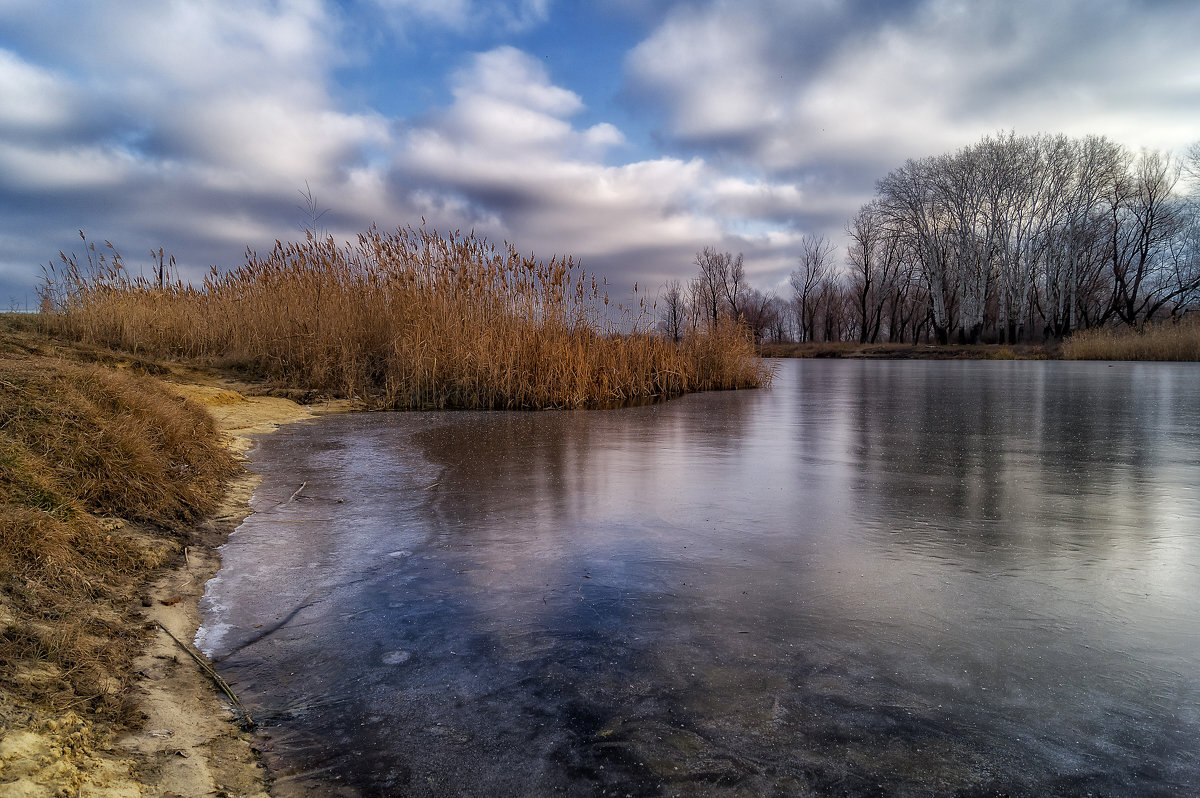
(941, 578)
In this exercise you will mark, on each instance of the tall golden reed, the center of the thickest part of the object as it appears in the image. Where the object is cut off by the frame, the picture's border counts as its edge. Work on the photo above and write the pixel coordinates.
(1167, 340)
(410, 319)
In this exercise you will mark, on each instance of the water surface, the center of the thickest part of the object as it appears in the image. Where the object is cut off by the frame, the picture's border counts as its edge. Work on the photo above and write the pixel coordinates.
(875, 578)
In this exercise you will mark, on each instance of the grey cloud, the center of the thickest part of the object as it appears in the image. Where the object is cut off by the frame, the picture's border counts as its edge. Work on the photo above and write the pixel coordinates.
(187, 127)
(154, 149)
(778, 117)
(768, 47)
(975, 66)
(831, 96)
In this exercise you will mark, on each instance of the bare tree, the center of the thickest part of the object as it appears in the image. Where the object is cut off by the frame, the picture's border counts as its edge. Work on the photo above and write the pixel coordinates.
(735, 284)
(1191, 161)
(674, 311)
(1013, 228)
(1071, 269)
(835, 321)
(758, 312)
(813, 271)
(874, 257)
(778, 319)
(721, 282)
(908, 198)
(1149, 222)
(708, 287)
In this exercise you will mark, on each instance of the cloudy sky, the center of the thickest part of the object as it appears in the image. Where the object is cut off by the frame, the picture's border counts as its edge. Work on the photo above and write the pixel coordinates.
(629, 133)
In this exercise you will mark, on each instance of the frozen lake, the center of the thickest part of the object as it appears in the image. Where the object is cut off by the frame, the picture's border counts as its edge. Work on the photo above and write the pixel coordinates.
(875, 578)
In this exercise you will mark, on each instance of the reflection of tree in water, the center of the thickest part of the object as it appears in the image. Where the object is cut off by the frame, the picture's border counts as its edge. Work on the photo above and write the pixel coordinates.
(1001, 451)
(698, 598)
(546, 568)
(544, 467)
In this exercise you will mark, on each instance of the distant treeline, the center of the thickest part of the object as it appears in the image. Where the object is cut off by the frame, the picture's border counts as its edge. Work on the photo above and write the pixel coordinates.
(1010, 239)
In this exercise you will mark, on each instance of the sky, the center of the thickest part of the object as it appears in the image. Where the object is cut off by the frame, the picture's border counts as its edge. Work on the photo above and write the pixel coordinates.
(627, 133)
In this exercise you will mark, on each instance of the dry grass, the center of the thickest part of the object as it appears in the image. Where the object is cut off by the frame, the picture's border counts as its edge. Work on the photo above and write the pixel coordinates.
(84, 450)
(1164, 341)
(409, 319)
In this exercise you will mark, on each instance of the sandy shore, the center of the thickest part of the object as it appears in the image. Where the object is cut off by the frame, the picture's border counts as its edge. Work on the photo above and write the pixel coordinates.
(191, 736)
(191, 740)
(190, 744)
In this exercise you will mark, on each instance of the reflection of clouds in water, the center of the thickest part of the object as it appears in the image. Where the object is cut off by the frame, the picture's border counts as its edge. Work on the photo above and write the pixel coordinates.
(575, 501)
(300, 547)
(1067, 490)
(869, 557)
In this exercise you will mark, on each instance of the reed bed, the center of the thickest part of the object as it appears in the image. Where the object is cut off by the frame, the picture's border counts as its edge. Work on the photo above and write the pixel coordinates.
(1167, 340)
(406, 320)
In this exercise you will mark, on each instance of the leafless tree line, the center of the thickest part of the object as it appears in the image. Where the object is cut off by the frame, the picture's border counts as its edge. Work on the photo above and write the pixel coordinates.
(1034, 235)
(822, 306)
(1009, 239)
(720, 289)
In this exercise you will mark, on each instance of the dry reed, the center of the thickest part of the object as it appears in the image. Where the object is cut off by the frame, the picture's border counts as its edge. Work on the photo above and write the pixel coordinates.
(1167, 340)
(410, 319)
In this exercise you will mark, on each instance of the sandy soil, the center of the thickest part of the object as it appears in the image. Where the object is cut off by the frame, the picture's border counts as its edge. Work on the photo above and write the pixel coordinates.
(191, 738)
(190, 744)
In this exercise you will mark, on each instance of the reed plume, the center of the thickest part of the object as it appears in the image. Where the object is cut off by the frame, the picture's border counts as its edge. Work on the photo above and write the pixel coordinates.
(410, 319)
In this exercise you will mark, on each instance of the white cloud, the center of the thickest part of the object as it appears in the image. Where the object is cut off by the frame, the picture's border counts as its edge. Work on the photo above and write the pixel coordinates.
(509, 76)
(239, 85)
(32, 99)
(710, 68)
(44, 171)
(828, 97)
(177, 124)
(451, 13)
(271, 138)
(787, 85)
(505, 159)
(191, 126)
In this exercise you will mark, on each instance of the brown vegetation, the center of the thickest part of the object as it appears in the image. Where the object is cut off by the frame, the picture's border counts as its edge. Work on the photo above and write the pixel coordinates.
(95, 464)
(103, 468)
(409, 319)
(1164, 341)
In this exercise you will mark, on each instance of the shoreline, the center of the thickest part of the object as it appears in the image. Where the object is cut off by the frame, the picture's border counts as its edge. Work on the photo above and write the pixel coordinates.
(907, 351)
(188, 742)
(191, 743)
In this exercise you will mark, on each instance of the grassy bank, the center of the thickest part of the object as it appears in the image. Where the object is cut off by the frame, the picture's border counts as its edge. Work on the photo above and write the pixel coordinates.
(1178, 341)
(99, 470)
(95, 467)
(409, 319)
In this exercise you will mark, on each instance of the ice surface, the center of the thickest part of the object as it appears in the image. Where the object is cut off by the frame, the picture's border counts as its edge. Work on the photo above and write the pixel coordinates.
(979, 577)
